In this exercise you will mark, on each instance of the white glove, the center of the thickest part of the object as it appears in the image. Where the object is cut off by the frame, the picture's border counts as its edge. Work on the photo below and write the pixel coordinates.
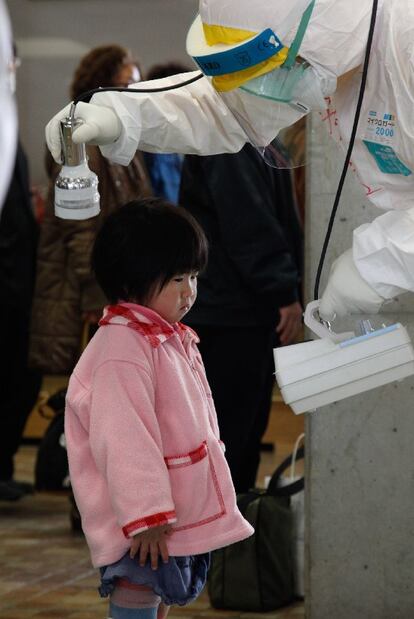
(347, 292)
(100, 126)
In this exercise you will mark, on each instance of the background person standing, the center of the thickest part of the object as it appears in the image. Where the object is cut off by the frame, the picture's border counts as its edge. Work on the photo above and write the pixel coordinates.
(248, 299)
(19, 385)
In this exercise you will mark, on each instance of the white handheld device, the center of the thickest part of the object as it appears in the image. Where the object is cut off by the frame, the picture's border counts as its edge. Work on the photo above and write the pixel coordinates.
(339, 365)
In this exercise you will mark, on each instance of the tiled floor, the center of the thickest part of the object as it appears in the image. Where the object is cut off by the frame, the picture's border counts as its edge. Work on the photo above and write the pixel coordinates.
(45, 571)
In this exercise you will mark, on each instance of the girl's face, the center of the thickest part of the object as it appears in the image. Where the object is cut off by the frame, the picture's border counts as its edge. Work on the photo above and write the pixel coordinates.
(176, 298)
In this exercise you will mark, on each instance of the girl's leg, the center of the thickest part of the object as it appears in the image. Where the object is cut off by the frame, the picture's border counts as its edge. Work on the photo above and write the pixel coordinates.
(117, 612)
(162, 611)
(133, 602)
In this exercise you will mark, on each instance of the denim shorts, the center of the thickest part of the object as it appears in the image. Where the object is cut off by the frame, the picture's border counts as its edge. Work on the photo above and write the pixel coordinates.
(179, 581)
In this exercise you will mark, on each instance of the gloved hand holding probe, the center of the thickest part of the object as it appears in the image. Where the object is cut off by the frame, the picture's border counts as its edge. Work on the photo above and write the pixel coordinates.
(347, 292)
(100, 126)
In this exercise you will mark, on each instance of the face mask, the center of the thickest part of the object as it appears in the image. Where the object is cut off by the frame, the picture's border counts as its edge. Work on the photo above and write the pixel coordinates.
(262, 121)
(136, 75)
(260, 118)
(267, 107)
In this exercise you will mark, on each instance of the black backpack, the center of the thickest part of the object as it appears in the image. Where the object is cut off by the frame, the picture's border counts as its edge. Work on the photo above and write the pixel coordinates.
(51, 468)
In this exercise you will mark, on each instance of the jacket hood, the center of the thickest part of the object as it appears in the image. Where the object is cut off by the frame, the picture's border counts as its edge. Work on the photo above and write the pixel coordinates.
(337, 35)
(147, 322)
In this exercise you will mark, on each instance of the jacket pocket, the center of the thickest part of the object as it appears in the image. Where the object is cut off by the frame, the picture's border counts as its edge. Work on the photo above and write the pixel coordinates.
(195, 488)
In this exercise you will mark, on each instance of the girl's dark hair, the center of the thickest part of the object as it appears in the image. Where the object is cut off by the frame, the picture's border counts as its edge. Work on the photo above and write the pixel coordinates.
(99, 67)
(143, 245)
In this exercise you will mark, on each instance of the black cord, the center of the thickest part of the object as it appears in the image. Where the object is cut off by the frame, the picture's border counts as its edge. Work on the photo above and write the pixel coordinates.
(88, 94)
(349, 152)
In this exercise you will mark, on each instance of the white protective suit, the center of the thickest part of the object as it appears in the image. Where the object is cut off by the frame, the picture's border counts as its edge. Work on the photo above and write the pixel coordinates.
(194, 119)
(8, 115)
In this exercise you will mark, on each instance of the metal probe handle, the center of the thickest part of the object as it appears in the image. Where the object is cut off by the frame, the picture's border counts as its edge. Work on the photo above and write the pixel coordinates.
(72, 154)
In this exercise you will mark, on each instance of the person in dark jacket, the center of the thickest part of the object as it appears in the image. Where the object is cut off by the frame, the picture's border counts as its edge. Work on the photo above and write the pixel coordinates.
(19, 385)
(248, 298)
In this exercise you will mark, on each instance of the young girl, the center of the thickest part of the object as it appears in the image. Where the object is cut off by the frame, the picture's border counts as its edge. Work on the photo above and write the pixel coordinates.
(146, 462)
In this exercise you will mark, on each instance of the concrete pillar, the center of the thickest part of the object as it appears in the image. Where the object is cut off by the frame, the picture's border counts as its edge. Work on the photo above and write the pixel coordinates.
(360, 455)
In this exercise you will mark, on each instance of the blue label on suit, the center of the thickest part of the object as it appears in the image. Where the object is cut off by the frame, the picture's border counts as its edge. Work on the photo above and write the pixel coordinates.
(386, 159)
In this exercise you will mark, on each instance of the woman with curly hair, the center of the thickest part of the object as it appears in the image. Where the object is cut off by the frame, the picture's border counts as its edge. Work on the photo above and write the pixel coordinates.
(107, 65)
(66, 293)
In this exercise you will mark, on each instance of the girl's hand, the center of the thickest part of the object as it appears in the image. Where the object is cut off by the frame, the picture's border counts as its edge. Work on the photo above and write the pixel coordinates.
(151, 542)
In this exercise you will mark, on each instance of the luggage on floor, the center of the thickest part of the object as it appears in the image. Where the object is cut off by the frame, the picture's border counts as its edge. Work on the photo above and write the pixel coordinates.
(258, 574)
(51, 468)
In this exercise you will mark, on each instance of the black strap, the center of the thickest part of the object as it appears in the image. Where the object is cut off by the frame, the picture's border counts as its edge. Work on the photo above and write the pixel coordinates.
(274, 487)
(244, 499)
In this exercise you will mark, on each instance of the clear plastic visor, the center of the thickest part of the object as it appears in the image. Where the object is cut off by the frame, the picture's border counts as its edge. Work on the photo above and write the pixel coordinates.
(270, 125)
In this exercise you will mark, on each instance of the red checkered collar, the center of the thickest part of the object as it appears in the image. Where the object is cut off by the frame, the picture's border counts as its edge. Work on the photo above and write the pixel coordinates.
(147, 322)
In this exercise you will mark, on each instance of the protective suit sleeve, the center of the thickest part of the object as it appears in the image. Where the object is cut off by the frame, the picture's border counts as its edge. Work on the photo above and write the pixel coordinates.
(384, 252)
(191, 119)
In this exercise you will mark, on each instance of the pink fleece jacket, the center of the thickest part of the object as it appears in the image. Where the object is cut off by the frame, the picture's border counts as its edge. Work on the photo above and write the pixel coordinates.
(143, 441)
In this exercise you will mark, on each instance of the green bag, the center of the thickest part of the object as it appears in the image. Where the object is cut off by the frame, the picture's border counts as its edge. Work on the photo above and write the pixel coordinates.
(258, 574)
